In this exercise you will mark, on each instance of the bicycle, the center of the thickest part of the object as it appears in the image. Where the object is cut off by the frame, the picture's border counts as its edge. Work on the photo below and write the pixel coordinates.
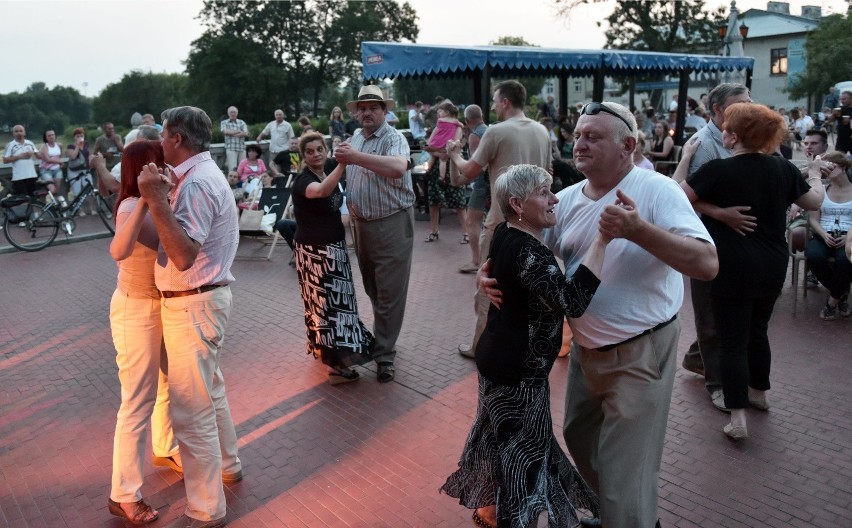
(32, 225)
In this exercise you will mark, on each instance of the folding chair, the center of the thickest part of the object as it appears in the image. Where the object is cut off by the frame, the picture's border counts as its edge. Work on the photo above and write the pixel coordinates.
(285, 212)
(272, 200)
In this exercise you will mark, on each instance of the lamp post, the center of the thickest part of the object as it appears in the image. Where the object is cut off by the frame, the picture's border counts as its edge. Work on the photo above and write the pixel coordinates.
(733, 34)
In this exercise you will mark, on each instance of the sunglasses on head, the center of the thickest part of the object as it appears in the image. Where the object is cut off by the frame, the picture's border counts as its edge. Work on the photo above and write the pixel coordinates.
(597, 108)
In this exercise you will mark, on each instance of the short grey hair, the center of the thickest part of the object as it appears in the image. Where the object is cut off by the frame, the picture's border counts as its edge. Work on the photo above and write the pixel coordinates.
(720, 94)
(519, 181)
(148, 132)
(619, 132)
(473, 112)
(193, 124)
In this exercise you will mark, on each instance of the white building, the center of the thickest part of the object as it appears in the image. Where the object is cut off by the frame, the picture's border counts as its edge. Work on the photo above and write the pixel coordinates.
(776, 39)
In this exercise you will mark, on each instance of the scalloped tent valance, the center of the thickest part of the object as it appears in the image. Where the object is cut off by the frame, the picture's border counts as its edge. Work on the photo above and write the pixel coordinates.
(391, 60)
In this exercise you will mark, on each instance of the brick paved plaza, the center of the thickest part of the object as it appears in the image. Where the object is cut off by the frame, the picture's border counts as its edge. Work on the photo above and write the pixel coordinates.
(370, 455)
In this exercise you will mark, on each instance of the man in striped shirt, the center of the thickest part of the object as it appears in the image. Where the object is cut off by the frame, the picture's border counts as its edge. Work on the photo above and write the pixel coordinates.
(380, 197)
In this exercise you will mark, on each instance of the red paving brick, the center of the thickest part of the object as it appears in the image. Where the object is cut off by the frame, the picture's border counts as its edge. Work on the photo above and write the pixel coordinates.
(370, 455)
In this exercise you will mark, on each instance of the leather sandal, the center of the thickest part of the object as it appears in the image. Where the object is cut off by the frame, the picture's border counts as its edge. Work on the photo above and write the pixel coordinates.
(480, 522)
(385, 372)
(432, 237)
(142, 512)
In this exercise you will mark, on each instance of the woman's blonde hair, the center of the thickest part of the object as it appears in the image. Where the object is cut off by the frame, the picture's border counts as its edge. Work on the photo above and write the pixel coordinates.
(521, 182)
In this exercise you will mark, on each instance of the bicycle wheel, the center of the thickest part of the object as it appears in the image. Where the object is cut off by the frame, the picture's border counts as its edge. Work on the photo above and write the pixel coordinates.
(105, 212)
(36, 233)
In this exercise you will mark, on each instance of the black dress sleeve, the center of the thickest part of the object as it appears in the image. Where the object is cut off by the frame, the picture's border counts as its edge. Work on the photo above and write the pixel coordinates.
(539, 272)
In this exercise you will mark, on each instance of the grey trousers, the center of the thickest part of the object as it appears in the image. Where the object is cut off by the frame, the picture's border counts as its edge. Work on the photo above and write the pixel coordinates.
(616, 411)
(705, 332)
(384, 249)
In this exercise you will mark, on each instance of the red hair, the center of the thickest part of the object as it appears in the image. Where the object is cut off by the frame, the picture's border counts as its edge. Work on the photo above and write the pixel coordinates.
(757, 127)
(135, 156)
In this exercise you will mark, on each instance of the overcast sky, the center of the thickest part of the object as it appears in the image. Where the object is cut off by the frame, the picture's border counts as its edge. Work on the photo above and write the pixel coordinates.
(87, 44)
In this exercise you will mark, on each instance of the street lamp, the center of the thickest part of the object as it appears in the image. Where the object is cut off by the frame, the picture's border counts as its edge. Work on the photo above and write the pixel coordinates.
(733, 34)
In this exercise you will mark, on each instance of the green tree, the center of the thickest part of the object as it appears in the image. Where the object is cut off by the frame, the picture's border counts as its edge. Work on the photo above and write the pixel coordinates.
(669, 26)
(40, 108)
(141, 92)
(315, 43)
(533, 83)
(224, 70)
(831, 40)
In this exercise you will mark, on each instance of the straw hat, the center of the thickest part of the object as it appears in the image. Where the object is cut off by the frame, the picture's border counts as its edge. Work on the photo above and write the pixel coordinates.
(371, 92)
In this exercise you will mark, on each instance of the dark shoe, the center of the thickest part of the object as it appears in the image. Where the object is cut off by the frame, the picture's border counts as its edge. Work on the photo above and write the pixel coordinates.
(232, 478)
(342, 376)
(385, 372)
(843, 307)
(189, 522)
(432, 237)
(173, 462)
(464, 240)
(142, 512)
(466, 351)
(811, 281)
(693, 365)
(828, 313)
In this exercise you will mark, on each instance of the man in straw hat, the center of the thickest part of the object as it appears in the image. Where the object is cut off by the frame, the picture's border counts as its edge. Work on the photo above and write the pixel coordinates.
(380, 198)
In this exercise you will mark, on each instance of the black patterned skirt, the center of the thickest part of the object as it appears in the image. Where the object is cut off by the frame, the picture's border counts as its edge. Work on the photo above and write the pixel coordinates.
(334, 330)
(441, 192)
(512, 460)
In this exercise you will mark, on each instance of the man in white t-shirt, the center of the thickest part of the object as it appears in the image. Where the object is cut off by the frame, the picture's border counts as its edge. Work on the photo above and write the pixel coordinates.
(21, 153)
(624, 355)
(280, 133)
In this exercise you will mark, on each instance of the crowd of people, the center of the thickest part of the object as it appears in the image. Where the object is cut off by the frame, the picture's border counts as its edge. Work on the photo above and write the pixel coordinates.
(580, 186)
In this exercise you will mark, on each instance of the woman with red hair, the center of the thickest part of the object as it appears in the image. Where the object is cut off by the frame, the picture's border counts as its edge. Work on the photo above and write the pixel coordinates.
(137, 334)
(752, 260)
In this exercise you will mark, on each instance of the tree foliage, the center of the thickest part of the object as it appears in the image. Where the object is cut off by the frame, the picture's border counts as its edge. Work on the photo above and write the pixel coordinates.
(314, 43)
(676, 26)
(224, 70)
(40, 108)
(142, 92)
(682, 26)
(828, 43)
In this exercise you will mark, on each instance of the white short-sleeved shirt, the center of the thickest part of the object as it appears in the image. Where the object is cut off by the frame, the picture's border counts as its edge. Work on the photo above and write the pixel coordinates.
(279, 135)
(637, 291)
(22, 169)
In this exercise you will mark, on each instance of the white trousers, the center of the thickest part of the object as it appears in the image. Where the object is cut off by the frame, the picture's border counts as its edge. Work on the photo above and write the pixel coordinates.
(137, 334)
(194, 330)
(233, 158)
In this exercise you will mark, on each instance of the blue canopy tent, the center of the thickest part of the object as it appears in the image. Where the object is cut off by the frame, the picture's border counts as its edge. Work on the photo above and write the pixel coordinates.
(389, 60)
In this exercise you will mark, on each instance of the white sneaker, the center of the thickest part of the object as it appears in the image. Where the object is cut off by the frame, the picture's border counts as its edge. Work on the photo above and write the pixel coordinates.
(757, 399)
(735, 432)
(466, 351)
(719, 400)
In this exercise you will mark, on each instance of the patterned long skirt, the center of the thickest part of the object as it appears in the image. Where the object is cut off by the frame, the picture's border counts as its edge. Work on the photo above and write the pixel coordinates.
(334, 330)
(511, 460)
(441, 192)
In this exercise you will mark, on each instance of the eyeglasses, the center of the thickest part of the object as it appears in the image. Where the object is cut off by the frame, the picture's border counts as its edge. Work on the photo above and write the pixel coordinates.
(597, 108)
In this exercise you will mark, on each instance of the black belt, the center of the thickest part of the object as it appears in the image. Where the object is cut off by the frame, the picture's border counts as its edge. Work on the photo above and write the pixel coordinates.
(607, 348)
(194, 291)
